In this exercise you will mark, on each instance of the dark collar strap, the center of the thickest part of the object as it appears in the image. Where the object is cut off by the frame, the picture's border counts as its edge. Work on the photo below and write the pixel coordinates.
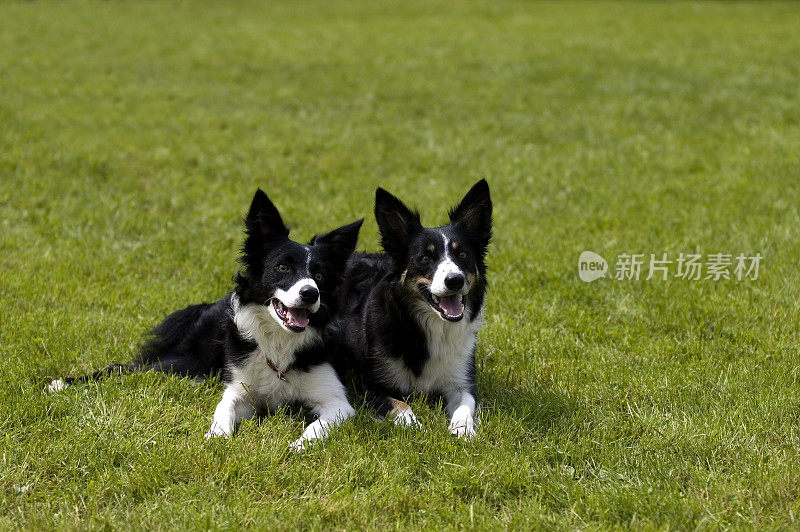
(273, 367)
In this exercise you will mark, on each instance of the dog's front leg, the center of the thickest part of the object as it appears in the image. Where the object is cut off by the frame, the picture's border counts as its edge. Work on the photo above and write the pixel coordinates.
(329, 416)
(326, 397)
(234, 406)
(461, 409)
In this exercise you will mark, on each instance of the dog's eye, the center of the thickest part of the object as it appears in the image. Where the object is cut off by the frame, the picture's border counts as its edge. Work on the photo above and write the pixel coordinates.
(319, 277)
(425, 259)
(462, 255)
(282, 268)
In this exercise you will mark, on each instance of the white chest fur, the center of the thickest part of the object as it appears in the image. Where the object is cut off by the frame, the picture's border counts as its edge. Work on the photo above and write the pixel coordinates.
(259, 380)
(253, 383)
(450, 347)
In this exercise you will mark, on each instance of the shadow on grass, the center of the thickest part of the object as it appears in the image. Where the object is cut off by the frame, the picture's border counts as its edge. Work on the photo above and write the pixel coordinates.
(530, 405)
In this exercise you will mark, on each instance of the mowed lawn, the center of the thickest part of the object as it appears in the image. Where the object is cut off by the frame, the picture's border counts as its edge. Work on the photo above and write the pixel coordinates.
(133, 135)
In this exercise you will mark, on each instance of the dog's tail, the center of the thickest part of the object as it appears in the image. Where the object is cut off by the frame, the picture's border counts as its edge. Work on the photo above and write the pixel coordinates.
(179, 345)
(112, 369)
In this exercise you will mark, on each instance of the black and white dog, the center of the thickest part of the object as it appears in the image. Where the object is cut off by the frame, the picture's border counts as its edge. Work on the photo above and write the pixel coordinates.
(266, 337)
(410, 316)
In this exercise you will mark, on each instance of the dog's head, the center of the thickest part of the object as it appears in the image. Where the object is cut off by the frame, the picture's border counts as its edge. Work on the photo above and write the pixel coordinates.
(442, 266)
(297, 282)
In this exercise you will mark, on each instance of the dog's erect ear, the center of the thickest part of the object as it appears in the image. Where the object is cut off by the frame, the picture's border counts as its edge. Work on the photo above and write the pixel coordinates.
(474, 215)
(263, 220)
(262, 224)
(341, 242)
(395, 222)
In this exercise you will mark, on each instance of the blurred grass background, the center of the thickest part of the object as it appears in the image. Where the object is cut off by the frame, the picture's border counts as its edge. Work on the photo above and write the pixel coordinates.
(132, 137)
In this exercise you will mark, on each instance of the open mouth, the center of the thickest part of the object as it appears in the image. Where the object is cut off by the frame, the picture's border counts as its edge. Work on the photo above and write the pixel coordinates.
(449, 307)
(294, 319)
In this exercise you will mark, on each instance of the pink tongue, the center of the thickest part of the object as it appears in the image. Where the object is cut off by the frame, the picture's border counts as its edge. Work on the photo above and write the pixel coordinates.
(297, 317)
(452, 305)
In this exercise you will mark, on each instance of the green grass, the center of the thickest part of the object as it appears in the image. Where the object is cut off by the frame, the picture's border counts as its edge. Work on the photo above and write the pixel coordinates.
(133, 134)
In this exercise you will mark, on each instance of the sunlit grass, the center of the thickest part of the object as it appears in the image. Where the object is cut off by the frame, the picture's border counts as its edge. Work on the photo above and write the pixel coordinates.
(133, 134)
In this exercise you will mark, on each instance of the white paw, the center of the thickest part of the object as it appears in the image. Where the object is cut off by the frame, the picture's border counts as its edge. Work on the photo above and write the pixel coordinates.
(463, 427)
(216, 431)
(56, 386)
(406, 418)
(298, 446)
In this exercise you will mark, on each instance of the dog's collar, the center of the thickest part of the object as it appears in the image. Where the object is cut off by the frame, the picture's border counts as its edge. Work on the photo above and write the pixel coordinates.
(273, 367)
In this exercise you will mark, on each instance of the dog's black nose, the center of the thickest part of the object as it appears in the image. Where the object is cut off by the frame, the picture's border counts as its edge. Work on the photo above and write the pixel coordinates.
(309, 294)
(454, 281)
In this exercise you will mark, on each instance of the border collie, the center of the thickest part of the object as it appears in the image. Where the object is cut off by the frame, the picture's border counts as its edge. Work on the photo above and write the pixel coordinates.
(266, 337)
(410, 317)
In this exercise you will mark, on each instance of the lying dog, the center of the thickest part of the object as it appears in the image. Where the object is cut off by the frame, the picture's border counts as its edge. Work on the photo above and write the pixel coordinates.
(409, 317)
(264, 338)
